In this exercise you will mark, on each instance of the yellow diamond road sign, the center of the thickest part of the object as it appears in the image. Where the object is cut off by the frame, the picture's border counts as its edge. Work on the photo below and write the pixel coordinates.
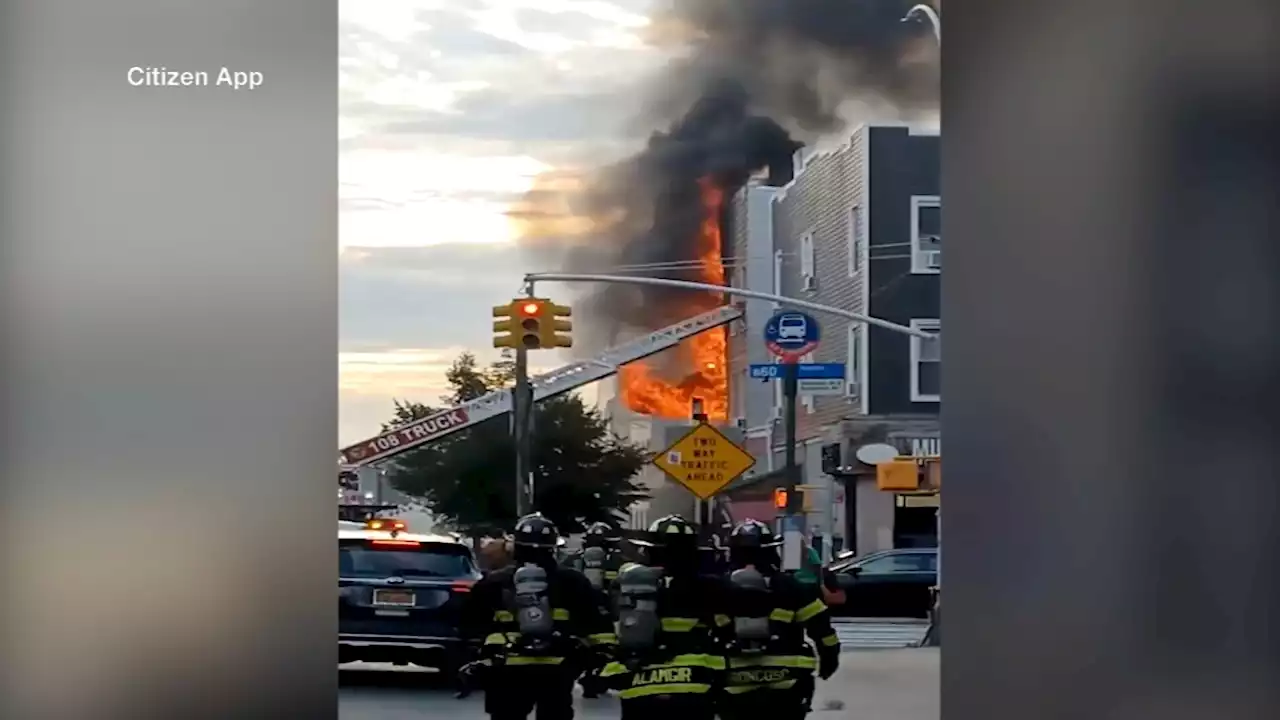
(704, 461)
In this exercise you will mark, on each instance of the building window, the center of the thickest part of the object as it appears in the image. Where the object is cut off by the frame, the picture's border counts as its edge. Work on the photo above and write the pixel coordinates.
(926, 362)
(926, 234)
(853, 363)
(855, 240)
(807, 277)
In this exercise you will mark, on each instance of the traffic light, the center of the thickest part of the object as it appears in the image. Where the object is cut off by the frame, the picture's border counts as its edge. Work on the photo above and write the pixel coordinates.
(901, 475)
(555, 328)
(531, 324)
(507, 327)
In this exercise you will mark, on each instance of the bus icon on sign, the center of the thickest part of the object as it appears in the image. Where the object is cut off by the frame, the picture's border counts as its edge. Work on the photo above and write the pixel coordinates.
(792, 327)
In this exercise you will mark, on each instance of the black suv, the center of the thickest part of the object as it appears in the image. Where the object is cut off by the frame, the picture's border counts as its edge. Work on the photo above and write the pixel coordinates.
(400, 596)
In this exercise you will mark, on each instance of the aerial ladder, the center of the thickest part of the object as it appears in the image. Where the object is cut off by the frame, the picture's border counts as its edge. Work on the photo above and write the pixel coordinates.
(442, 424)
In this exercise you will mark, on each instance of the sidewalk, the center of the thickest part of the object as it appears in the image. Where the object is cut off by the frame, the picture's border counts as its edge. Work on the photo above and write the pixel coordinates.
(882, 685)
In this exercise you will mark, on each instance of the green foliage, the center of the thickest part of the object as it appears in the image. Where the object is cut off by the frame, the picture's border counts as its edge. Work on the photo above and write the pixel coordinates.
(582, 471)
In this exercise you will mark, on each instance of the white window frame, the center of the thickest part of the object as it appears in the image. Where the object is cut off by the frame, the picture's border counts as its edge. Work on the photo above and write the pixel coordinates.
(855, 240)
(807, 264)
(918, 265)
(853, 361)
(932, 325)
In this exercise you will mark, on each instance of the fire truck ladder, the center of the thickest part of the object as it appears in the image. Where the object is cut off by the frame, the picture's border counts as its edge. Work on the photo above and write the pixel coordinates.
(446, 422)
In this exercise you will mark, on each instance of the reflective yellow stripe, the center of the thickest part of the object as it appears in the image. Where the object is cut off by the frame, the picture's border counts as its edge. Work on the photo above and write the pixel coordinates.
(700, 660)
(495, 639)
(521, 660)
(602, 639)
(613, 669)
(560, 614)
(789, 661)
(676, 624)
(831, 641)
(782, 615)
(610, 575)
(711, 662)
(810, 611)
(668, 689)
(722, 620)
(739, 689)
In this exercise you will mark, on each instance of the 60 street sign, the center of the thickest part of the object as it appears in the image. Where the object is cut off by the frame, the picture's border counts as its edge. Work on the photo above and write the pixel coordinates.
(804, 371)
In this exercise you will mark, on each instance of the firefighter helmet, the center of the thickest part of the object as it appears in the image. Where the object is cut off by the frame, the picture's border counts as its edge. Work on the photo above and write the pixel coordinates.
(750, 534)
(668, 531)
(535, 531)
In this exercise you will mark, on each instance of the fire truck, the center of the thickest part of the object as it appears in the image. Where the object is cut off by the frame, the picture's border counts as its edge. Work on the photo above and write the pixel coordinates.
(355, 505)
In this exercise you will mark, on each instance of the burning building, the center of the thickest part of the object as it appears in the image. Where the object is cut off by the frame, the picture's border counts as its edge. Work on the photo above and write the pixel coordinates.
(751, 80)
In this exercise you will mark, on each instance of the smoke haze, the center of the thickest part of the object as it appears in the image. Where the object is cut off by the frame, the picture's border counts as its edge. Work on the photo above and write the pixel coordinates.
(749, 81)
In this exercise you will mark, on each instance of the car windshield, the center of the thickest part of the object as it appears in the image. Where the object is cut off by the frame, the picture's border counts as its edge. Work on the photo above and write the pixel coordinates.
(361, 559)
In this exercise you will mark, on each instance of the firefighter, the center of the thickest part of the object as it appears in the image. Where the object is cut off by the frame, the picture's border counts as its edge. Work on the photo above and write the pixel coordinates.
(601, 567)
(536, 622)
(771, 667)
(669, 656)
(599, 561)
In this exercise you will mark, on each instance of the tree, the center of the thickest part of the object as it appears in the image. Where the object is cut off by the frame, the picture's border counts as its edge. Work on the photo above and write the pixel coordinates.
(583, 472)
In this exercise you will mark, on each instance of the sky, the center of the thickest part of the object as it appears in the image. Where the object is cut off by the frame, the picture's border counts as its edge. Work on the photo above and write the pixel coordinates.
(449, 109)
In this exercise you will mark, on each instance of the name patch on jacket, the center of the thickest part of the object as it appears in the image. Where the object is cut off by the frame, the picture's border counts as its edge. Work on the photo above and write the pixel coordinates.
(758, 676)
(662, 676)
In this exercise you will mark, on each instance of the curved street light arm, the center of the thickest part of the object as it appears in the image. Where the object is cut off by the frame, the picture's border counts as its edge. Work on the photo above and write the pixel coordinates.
(532, 278)
(934, 21)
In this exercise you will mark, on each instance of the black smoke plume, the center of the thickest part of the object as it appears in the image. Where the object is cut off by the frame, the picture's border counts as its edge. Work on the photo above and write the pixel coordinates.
(751, 81)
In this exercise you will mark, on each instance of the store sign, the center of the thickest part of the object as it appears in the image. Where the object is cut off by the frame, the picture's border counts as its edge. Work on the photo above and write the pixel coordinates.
(921, 447)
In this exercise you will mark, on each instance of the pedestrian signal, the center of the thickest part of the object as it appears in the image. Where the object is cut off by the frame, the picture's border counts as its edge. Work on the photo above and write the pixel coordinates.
(780, 499)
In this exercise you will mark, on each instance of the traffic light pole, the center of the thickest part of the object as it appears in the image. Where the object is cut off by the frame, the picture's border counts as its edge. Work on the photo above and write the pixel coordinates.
(521, 414)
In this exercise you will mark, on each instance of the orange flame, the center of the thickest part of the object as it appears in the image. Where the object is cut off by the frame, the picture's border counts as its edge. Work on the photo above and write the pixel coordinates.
(703, 357)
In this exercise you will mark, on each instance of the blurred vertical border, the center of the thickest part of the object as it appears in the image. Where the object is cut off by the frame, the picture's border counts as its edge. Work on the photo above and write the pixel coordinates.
(1111, 302)
(168, 265)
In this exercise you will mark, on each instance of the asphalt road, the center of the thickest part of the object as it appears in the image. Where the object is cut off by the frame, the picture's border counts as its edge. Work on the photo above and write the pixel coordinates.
(879, 684)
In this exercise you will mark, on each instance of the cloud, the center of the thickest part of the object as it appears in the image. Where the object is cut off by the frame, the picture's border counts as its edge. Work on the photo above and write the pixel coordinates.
(424, 297)
(540, 73)
(449, 110)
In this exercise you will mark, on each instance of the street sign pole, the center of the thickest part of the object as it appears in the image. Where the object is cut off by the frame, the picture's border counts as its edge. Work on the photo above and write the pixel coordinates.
(521, 407)
(790, 391)
(699, 416)
(790, 336)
